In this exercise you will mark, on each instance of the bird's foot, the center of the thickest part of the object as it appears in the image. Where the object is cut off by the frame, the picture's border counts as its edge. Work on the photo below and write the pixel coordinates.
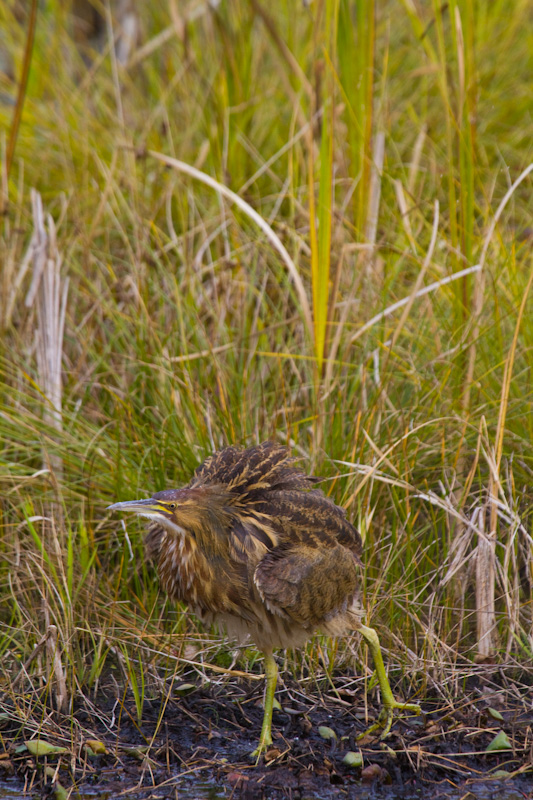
(386, 716)
(264, 743)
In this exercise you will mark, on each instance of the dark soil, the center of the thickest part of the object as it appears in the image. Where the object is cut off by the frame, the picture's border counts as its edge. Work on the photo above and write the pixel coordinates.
(199, 746)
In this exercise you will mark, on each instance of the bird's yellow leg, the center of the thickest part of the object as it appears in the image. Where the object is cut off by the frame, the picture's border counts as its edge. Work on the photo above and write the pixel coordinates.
(271, 672)
(387, 697)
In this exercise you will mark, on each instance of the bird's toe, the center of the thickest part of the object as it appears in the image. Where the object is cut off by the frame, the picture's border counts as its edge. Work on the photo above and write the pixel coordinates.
(259, 751)
(386, 717)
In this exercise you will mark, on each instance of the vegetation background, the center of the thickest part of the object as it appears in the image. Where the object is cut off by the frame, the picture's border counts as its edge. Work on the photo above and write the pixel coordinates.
(229, 222)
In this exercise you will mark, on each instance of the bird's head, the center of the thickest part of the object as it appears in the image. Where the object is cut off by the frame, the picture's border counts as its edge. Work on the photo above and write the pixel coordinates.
(162, 506)
(197, 511)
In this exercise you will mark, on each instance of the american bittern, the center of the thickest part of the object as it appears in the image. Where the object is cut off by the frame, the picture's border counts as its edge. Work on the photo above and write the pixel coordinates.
(250, 545)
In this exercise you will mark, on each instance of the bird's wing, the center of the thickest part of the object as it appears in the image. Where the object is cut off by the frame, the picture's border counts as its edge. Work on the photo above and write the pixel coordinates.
(249, 541)
(309, 585)
(216, 465)
(309, 519)
(249, 473)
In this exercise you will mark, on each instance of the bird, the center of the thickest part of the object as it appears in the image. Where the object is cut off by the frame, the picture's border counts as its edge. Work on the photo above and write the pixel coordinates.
(252, 545)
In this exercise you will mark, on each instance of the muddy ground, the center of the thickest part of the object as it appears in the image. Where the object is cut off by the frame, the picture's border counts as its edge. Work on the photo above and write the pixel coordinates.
(199, 747)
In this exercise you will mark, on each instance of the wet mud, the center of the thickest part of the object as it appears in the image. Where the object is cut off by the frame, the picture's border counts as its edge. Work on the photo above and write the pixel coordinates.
(196, 743)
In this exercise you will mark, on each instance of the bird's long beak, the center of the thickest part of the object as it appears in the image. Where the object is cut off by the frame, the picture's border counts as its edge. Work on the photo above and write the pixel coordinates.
(138, 506)
(151, 508)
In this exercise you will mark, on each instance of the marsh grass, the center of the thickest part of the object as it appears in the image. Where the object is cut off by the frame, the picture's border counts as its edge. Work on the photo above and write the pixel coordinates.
(376, 149)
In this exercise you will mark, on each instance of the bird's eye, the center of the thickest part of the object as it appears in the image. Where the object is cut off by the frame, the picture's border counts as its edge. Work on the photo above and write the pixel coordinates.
(172, 506)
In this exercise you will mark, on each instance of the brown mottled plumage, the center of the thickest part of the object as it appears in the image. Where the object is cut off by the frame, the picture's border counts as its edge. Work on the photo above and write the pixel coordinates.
(251, 545)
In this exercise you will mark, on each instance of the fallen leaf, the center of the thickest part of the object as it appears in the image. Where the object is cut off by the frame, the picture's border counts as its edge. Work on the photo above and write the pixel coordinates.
(60, 791)
(327, 733)
(352, 759)
(38, 747)
(500, 742)
(95, 746)
(272, 753)
(372, 773)
(500, 774)
(183, 689)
